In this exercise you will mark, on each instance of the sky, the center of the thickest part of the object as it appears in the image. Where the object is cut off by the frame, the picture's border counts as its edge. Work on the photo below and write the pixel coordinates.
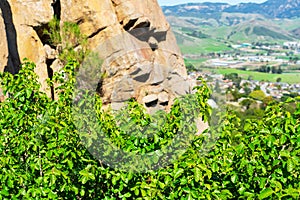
(175, 2)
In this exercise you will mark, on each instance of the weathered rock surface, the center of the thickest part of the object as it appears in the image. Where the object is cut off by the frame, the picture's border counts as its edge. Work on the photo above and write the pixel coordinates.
(21, 17)
(139, 52)
(137, 44)
(3, 45)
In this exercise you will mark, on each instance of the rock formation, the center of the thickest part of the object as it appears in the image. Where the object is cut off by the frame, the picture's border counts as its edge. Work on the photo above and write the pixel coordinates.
(3, 44)
(140, 54)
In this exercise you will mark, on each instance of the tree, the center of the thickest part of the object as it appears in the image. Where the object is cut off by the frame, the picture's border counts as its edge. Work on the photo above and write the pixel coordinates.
(278, 80)
(246, 102)
(257, 95)
(234, 77)
(268, 100)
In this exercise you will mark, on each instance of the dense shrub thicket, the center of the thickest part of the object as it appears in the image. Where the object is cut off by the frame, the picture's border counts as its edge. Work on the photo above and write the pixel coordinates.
(42, 155)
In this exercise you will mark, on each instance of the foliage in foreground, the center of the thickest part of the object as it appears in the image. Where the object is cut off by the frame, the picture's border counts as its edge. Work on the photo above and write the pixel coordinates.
(42, 155)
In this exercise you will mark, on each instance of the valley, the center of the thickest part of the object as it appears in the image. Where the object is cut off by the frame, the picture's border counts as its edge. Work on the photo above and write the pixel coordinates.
(214, 38)
(239, 52)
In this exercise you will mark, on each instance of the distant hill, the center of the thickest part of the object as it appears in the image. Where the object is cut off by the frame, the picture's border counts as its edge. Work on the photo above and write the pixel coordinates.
(296, 32)
(202, 10)
(271, 9)
(271, 21)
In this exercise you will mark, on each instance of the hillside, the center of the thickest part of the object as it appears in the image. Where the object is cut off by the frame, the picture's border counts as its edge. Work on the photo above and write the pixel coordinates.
(199, 24)
(235, 28)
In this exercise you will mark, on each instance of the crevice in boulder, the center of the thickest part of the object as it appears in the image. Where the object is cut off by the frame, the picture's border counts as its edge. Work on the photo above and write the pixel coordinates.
(80, 21)
(152, 103)
(153, 47)
(157, 82)
(130, 24)
(50, 75)
(44, 38)
(14, 62)
(136, 72)
(56, 8)
(97, 31)
(142, 78)
(152, 37)
(114, 3)
(143, 24)
(99, 88)
(164, 103)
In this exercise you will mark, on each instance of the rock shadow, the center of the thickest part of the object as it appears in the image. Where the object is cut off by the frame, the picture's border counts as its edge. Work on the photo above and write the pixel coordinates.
(13, 63)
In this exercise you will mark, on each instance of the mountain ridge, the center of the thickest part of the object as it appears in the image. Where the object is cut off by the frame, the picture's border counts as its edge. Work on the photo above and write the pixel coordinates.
(271, 9)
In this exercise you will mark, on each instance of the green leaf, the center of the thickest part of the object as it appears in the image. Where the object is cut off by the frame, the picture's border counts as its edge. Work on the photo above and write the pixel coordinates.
(161, 185)
(127, 195)
(284, 153)
(28, 92)
(70, 164)
(144, 193)
(4, 192)
(234, 178)
(215, 167)
(208, 173)
(75, 189)
(197, 174)
(178, 173)
(265, 193)
(87, 174)
(82, 192)
(289, 165)
(283, 139)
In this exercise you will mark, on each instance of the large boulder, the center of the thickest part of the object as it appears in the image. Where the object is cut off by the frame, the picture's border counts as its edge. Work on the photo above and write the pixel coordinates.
(140, 56)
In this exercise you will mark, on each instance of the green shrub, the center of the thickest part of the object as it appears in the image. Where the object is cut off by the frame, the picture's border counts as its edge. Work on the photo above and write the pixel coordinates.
(72, 38)
(53, 32)
(74, 43)
(43, 156)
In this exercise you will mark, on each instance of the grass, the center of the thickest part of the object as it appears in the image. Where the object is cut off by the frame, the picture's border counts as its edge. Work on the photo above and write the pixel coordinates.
(204, 46)
(194, 45)
(285, 77)
(220, 32)
(195, 62)
(288, 24)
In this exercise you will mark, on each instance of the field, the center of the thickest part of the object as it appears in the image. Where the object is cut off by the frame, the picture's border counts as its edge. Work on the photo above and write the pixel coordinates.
(194, 45)
(195, 62)
(285, 77)
(203, 46)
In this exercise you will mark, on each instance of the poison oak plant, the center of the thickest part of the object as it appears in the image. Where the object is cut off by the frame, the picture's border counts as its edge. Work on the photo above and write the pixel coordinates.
(46, 147)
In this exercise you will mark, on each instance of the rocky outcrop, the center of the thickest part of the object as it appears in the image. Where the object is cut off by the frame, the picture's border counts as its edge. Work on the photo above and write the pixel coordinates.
(3, 45)
(132, 37)
(21, 18)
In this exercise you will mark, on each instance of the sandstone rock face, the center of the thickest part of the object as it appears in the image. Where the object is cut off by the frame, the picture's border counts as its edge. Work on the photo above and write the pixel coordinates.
(23, 41)
(132, 37)
(141, 57)
(31, 13)
(3, 45)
